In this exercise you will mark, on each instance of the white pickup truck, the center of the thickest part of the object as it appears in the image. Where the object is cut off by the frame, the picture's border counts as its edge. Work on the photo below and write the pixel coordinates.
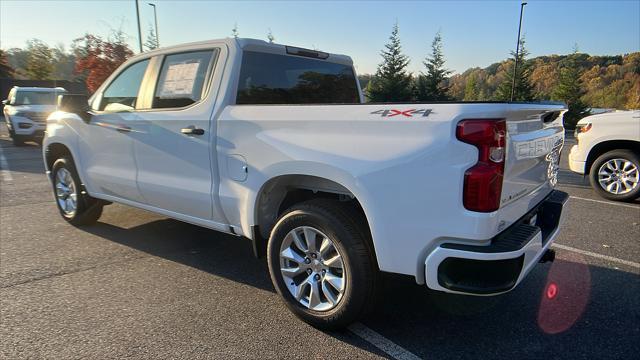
(272, 143)
(608, 152)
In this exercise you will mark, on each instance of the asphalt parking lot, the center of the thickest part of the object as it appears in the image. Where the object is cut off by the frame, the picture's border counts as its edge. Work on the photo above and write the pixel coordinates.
(138, 285)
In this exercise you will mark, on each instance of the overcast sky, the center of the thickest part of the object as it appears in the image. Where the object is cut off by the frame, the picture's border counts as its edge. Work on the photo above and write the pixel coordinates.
(475, 33)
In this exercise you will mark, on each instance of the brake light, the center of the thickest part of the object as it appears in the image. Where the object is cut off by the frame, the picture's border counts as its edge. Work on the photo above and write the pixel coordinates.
(483, 181)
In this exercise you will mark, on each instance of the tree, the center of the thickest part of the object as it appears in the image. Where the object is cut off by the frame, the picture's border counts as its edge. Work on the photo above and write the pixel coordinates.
(431, 86)
(6, 71)
(392, 82)
(152, 39)
(523, 88)
(39, 64)
(570, 90)
(234, 31)
(98, 58)
(471, 89)
(270, 36)
(63, 63)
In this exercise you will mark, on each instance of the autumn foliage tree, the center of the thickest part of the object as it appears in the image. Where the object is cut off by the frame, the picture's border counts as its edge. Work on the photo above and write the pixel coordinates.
(6, 71)
(96, 58)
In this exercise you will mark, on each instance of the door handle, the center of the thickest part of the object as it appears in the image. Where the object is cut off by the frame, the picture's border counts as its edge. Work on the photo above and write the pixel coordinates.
(123, 128)
(191, 130)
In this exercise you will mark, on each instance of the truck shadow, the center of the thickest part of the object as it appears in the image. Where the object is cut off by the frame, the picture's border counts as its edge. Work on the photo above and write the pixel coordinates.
(592, 312)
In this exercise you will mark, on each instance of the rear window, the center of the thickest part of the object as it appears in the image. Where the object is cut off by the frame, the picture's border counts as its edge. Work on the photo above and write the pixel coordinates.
(280, 79)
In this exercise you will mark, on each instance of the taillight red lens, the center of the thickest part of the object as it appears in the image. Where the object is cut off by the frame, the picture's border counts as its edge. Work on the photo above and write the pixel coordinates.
(483, 181)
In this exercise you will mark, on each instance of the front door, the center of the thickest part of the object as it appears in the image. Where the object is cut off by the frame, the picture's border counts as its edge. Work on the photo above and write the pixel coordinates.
(106, 146)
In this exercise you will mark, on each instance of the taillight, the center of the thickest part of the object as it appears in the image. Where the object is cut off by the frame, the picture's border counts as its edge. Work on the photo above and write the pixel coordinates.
(483, 181)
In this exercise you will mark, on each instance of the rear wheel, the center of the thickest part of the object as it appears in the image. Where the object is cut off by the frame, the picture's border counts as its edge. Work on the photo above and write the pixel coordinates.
(615, 175)
(321, 264)
(74, 204)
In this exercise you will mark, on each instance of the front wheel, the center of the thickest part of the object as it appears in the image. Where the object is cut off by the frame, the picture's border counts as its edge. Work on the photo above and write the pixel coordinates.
(74, 204)
(321, 263)
(615, 175)
(17, 140)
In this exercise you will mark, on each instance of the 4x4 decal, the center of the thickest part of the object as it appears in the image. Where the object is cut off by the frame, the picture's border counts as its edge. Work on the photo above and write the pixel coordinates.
(407, 113)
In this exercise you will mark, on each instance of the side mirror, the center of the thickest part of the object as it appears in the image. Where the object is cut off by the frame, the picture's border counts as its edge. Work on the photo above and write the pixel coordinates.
(75, 103)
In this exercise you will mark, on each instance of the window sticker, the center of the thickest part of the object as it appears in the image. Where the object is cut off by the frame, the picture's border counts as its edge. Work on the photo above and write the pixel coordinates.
(179, 80)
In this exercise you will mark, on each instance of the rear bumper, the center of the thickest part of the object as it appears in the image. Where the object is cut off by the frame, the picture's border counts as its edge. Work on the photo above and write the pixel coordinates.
(501, 265)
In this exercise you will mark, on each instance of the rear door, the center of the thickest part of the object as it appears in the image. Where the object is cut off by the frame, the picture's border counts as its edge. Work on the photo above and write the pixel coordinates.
(174, 136)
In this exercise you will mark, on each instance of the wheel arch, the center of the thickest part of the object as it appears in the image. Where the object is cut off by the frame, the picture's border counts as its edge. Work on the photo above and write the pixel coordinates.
(609, 145)
(283, 191)
(54, 150)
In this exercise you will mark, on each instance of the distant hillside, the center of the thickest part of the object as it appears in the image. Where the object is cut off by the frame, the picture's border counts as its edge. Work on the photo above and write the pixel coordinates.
(609, 81)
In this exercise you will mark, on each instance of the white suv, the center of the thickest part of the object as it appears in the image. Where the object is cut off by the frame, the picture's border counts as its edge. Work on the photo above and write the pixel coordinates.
(26, 110)
(608, 150)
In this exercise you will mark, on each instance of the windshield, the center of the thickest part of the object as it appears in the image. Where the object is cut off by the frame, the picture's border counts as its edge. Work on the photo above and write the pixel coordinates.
(36, 97)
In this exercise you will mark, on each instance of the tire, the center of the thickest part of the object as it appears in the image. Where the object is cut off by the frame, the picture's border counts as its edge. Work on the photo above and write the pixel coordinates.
(87, 210)
(605, 166)
(359, 273)
(18, 140)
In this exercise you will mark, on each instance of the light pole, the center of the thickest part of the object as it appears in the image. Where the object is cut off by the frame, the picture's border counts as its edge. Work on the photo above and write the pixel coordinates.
(515, 67)
(139, 28)
(155, 19)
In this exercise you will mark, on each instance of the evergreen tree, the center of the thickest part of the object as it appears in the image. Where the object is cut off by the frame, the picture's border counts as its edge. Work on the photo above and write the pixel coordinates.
(471, 89)
(152, 40)
(432, 85)
(570, 90)
(39, 65)
(523, 89)
(392, 82)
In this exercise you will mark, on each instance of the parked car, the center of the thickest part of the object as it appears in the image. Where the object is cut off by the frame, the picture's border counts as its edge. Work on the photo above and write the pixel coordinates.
(26, 110)
(272, 143)
(608, 151)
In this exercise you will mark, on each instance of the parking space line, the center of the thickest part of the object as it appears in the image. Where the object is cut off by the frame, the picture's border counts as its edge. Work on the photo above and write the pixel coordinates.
(389, 347)
(598, 256)
(4, 167)
(604, 202)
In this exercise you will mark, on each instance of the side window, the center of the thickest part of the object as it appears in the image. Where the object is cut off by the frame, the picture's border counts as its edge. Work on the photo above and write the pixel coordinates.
(122, 93)
(182, 79)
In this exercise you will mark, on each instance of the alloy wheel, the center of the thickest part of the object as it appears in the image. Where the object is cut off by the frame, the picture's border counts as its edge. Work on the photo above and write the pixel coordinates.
(618, 176)
(312, 268)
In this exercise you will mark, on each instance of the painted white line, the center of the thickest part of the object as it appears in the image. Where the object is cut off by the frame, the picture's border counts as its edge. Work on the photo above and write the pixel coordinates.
(604, 202)
(598, 256)
(4, 167)
(389, 347)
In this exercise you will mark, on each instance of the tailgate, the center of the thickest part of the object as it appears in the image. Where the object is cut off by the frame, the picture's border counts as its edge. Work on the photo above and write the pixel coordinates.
(534, 143)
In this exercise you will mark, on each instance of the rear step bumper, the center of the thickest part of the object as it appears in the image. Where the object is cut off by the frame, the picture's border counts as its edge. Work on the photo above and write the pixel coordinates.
(500, 266)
